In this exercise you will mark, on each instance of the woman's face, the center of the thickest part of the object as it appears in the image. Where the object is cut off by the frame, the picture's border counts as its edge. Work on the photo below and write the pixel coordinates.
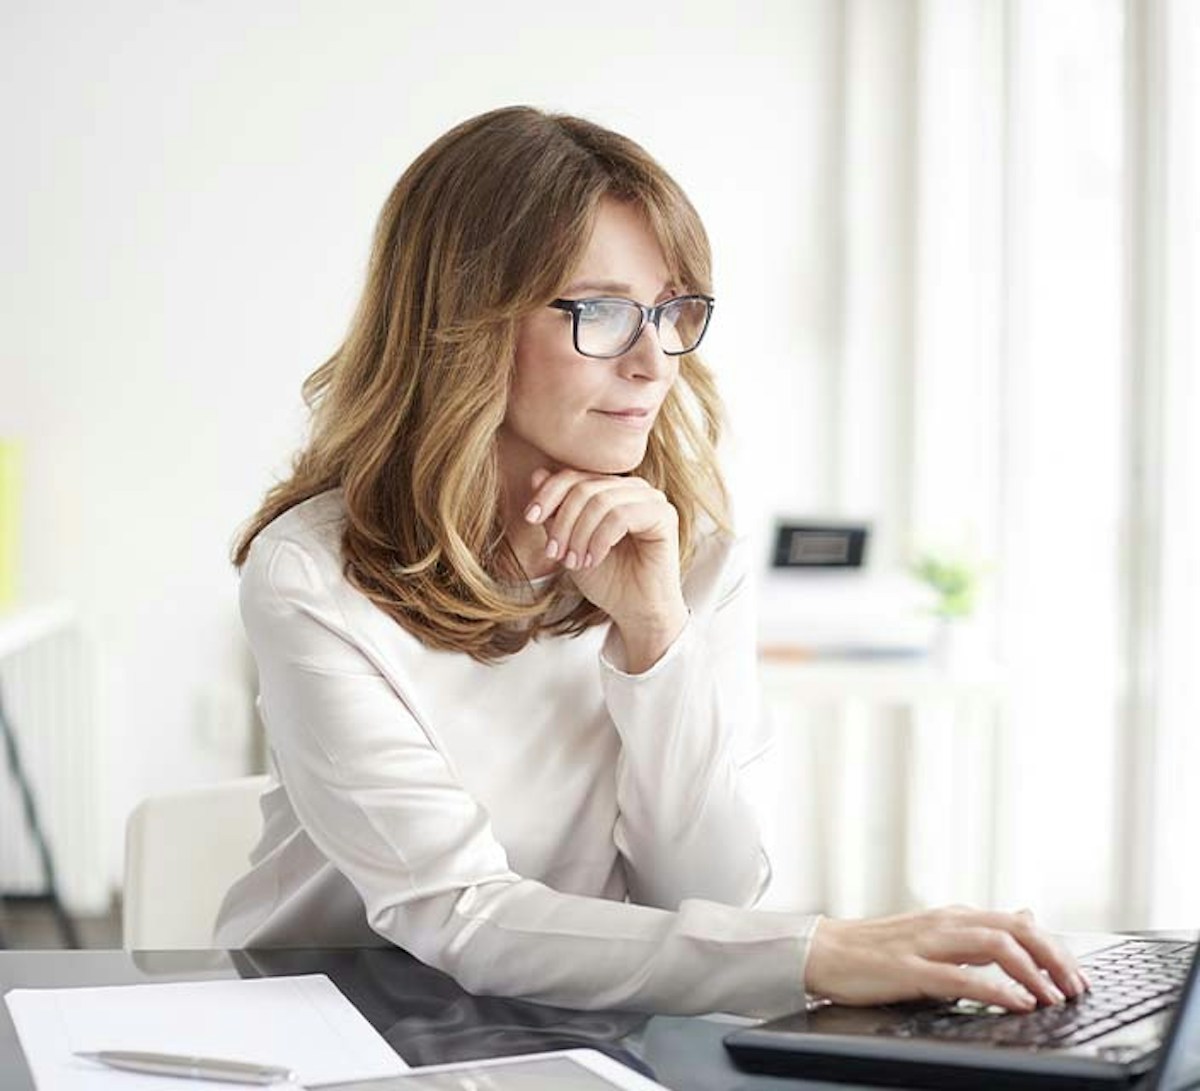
(569, 410)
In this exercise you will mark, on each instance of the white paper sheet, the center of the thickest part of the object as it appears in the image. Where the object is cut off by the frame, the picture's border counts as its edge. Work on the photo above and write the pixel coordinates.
(303, 1023)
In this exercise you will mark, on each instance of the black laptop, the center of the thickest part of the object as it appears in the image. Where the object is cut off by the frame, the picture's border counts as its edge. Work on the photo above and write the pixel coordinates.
(1138, 1025)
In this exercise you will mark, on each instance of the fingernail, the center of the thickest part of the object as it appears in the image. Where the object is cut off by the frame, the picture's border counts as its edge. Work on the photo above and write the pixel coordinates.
(571, 559)
(1056, 995)
(1080, 982)
(534, 513)
(587, 560)
(552, 548)
(1024, 998)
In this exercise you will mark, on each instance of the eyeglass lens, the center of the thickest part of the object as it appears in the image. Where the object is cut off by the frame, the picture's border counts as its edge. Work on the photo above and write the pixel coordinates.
(609, 327)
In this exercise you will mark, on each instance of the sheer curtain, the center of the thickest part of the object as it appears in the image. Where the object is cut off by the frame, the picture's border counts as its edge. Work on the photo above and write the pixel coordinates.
(1098, 497)
(1015, 379)
(1159, 880)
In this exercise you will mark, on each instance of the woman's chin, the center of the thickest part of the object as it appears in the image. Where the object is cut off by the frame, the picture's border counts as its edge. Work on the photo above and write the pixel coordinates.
(609, 464)
(621, 457)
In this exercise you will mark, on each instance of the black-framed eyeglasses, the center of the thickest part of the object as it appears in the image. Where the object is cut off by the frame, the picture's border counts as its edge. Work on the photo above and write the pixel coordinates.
(609, 326)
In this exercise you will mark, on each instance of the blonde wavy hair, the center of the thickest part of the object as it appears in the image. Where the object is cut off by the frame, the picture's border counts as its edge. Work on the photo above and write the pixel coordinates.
(482, 229)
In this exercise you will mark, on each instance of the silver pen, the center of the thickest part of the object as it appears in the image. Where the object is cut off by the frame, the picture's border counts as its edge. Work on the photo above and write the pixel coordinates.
(194, 1068)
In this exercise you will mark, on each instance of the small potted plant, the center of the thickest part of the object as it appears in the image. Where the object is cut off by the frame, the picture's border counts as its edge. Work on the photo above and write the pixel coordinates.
(955, 583)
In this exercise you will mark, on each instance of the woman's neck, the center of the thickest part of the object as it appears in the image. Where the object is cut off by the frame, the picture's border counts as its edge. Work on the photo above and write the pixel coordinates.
(527, 540)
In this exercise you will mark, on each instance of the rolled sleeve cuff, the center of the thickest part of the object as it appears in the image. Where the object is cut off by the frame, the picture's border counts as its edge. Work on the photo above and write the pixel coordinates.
(612, 653)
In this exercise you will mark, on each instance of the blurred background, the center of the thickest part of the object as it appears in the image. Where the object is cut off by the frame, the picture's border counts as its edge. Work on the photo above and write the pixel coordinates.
(957, 249)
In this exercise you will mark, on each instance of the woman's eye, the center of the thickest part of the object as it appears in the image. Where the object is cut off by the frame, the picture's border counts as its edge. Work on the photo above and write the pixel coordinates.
(602, 312)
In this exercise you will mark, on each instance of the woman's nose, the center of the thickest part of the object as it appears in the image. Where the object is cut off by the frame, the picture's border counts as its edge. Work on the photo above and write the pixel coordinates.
(645, 359)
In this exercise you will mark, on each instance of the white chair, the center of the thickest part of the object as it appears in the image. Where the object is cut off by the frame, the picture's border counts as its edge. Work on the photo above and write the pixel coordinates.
(183, 850)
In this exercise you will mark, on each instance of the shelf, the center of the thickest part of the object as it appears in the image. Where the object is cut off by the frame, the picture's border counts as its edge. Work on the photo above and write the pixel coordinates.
(789, 672)
(26, 625)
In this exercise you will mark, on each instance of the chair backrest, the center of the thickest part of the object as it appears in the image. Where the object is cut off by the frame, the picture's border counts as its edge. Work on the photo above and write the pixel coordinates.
(183, 850)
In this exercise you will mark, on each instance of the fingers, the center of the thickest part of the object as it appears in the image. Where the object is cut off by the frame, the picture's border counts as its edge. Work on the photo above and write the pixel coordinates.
(544, 494)
(602, 522)
(550, 489)
(585, 516)
(571, 526)
(981, 945)
(939, 981)
(1050, 955)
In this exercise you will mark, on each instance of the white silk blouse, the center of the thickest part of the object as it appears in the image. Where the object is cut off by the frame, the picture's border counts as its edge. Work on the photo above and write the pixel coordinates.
(547, 826)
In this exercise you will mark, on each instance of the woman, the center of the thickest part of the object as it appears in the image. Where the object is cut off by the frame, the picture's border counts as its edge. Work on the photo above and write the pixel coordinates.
(505, 647)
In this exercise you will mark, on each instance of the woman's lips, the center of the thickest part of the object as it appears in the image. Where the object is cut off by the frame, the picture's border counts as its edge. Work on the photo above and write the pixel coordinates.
(631, 418)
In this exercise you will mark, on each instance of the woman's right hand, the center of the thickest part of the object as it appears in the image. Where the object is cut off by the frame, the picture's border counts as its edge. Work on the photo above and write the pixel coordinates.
(922, 955)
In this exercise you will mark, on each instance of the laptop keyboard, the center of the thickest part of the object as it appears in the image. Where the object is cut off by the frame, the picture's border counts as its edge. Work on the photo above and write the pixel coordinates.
(1129, 981)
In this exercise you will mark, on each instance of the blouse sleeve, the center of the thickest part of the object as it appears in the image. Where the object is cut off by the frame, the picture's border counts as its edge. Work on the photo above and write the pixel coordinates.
(379, 799)
(691, 730)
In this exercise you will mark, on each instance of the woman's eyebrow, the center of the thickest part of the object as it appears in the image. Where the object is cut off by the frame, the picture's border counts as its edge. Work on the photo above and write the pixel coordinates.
(614, 287)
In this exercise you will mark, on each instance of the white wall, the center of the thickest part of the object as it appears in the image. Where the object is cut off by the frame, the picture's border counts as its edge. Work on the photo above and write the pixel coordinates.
(186, 205)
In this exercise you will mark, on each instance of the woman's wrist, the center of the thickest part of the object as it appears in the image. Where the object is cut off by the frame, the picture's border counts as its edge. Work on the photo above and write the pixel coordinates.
(823, 935)
(647, 637)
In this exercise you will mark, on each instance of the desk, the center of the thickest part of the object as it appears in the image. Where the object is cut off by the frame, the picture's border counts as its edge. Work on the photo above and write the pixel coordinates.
(422, 1013)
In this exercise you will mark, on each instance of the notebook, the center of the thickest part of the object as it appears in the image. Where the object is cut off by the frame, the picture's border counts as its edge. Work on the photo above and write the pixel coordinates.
(303, 1023)
(1138, 1025)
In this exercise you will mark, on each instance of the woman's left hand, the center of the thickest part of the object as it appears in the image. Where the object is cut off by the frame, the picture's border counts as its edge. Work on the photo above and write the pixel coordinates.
(619, 539)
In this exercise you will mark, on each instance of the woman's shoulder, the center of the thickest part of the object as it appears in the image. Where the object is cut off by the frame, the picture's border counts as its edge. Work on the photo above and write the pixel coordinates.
(303, 544)
(315, 523)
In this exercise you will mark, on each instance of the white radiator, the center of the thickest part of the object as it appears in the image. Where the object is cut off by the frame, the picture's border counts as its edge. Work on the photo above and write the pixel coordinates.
(46, 691)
